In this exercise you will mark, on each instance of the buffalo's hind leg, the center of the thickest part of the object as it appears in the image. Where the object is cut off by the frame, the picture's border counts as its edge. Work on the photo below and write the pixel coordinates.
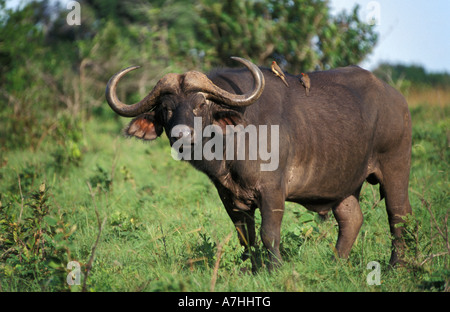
(349, 217)
(394, 164)
(395, 189)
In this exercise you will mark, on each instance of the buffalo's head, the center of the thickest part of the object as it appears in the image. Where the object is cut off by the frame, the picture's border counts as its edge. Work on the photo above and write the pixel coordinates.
(178, 98)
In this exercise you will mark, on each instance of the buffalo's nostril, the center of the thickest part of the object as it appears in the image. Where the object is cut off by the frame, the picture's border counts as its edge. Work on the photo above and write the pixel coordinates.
(185, 133)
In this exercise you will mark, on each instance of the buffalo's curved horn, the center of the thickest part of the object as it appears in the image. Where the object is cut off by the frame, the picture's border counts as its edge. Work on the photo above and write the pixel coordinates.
(165, 85)
(193, 81)
(239, 100)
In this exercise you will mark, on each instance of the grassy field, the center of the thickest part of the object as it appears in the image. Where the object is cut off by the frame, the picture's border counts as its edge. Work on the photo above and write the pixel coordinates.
(137, 220)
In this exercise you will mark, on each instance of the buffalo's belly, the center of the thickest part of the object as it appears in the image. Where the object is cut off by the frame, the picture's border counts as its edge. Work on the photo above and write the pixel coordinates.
(321, 190)
(326, 188)
(320, 205)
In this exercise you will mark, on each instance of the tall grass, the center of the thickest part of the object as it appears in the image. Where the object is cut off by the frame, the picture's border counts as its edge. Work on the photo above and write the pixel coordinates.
(165, 228)
(428, 96)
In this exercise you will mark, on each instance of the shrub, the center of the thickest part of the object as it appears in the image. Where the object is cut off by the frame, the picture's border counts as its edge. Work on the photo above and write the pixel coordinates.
(35, 245)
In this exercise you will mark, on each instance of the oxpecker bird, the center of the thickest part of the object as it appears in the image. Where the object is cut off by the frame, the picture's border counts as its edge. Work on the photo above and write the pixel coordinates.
(278, 72)
(306, 82)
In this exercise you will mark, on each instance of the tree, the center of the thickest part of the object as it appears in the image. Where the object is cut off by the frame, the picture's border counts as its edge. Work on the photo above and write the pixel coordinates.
(399, 75)
(300, 34)
(345, 40)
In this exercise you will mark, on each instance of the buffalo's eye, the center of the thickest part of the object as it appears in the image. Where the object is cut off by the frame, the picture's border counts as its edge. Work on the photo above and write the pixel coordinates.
(199, 108)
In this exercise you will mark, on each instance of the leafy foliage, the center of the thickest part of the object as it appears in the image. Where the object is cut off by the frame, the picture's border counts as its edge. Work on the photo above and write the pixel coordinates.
(34, 246)
(51, 69)
(300, 34)
(414, 74)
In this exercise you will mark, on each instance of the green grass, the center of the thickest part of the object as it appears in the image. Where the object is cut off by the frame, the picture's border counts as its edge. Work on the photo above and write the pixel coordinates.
(165, 221)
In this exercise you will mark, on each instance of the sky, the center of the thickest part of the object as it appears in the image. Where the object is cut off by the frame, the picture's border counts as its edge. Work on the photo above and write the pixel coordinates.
(410, 31)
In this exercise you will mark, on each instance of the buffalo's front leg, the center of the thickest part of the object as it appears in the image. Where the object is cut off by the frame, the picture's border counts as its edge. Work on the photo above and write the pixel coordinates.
(349, 218)
(272, 209)
(244, 221)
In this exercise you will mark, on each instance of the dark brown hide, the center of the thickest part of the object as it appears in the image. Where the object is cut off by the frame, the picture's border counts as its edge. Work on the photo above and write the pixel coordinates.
(353, 127)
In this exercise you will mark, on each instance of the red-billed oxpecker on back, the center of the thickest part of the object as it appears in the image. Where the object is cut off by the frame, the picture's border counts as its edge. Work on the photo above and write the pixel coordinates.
(306, 82)
(279, 72)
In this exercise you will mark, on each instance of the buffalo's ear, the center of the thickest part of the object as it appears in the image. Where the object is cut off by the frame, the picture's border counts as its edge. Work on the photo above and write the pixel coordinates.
(145, 127)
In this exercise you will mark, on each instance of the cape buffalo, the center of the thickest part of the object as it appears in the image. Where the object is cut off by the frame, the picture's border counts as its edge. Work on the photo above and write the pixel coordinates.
(351, 128)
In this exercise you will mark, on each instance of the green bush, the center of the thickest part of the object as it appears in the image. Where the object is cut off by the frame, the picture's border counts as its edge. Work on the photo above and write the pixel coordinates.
(34, 245)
